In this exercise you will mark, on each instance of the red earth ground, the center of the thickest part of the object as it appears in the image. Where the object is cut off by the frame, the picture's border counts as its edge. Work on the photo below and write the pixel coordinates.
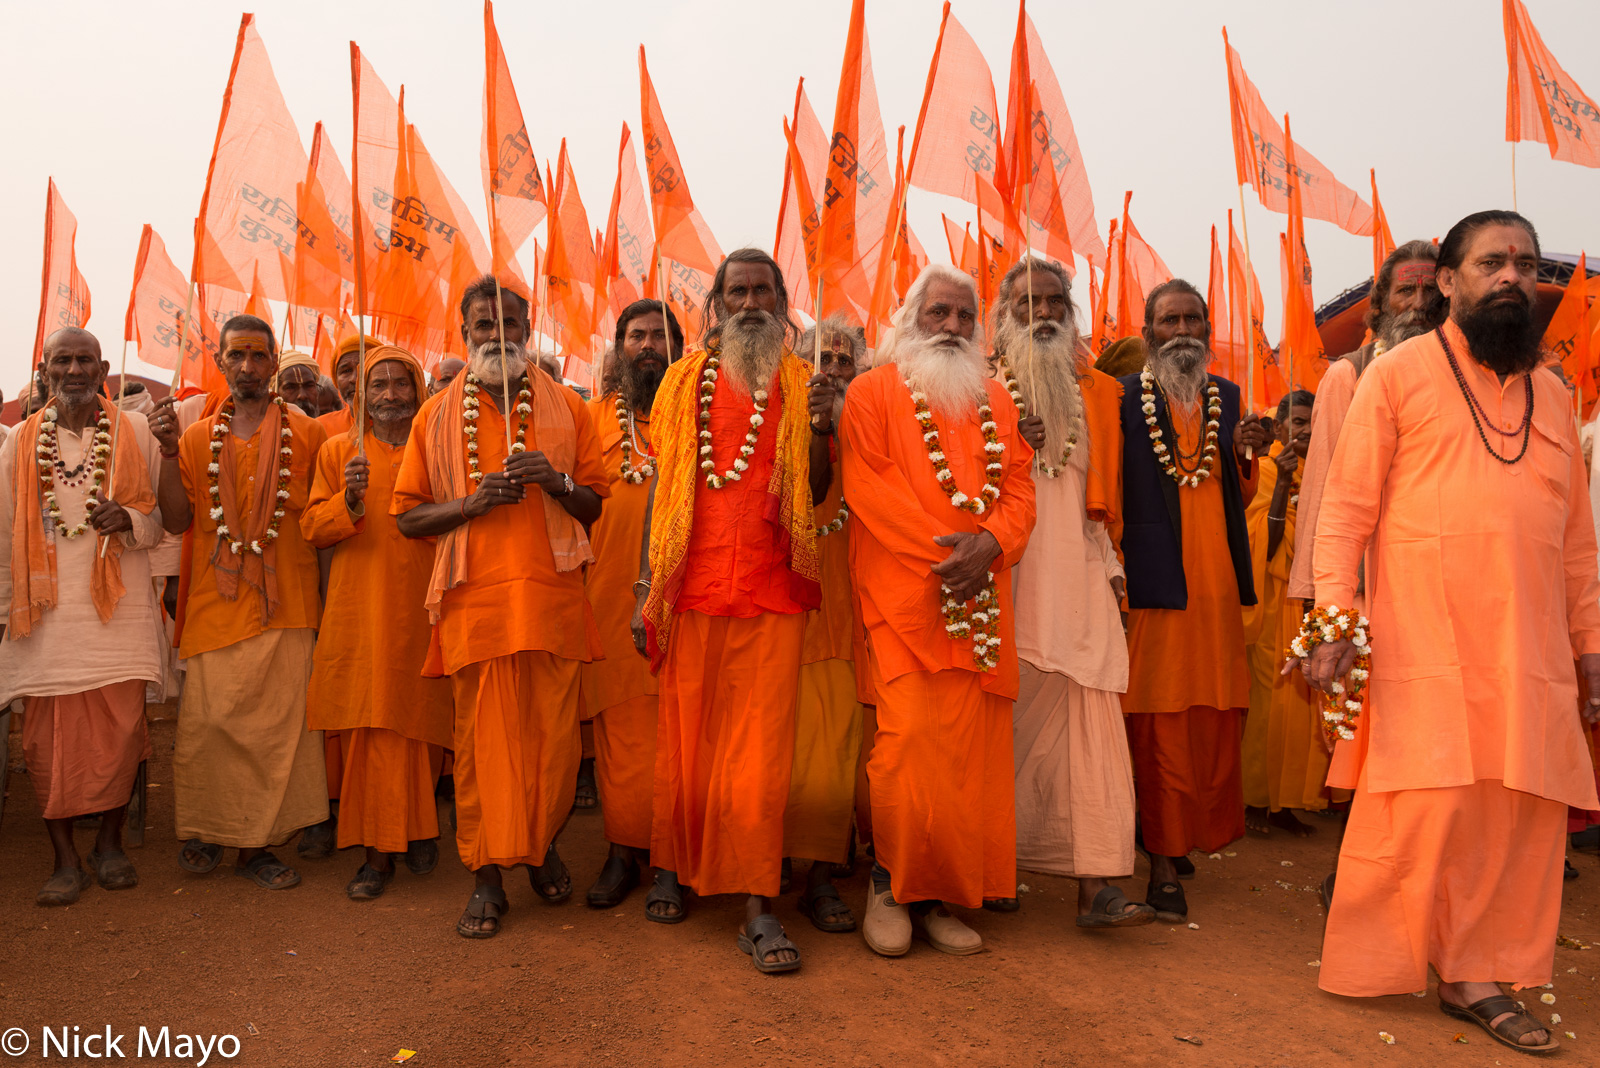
(307, 978)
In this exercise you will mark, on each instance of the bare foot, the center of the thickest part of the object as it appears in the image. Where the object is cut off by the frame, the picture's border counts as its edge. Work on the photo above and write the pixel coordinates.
(1285, 820)
(1257, 821)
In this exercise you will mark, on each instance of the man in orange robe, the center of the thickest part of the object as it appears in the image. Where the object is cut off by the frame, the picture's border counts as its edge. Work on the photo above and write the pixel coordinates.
(79, 640)
(1459, 469)
(828, 714)
(732, 569)
(1185, 484)
(393, 725)
(619, 692)
(510, 623)
(246, 771)
(937, 479)
(345, 361)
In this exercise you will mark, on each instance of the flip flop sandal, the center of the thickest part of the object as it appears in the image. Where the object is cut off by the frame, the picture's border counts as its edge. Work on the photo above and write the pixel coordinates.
(113, 870)
(587, 794)
(264, 868)
(486, 903)
(617, 879)
(1109, 909)
(63, 887)
(666, 890)
(546, 879)
(369, 883)
(1509, 1031)
(1168, 901)
(826, 910)
(764, 935)
(209, 850)
(1002, 904)
(422, 856)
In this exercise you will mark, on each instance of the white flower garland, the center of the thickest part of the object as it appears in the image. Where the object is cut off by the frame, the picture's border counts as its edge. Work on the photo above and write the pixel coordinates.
(48, 452)
(1067, 450)
(219, 434)
(469, 422)
(993, 449)
(837, 523)
(1343, 707)
(982, 624)
(634, 476)
(741, 463)
(1208, 454)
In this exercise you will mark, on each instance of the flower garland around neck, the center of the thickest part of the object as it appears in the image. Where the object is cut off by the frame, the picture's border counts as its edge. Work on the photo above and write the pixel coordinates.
(981, 623)
(1342, 708)
(1208, 453)
(219, 435)
(837, 523)
(49, 452)
(632, 475)
(708, 386)
(993, 449)
(1067, 450)
(469, 422)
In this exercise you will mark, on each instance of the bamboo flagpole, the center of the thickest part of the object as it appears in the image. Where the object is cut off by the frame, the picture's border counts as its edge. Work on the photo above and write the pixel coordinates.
(116, 429)
(183, 340)
(1249, 317)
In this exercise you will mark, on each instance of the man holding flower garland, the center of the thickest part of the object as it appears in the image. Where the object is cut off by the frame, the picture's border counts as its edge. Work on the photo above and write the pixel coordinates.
(937, 477)
(1459, 466)
(246, 771)
(1186, 480)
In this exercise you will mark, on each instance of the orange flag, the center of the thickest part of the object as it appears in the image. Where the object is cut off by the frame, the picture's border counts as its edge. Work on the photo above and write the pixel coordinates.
(249, 222)
(1301, 349)
(806, 218)
(1104, 331)
(1261, 158)
(1037, 118)
(797, 225)
(511, 184)
(903, 257)
(324, 250)
(631, 246)
(958, 129)
(1232, 360)
(1382, 239)
(1138, 270)
(569, 264)
(155, 318)
(1543, 103)
(63, 294)
(1244, 292)
(1568, 337)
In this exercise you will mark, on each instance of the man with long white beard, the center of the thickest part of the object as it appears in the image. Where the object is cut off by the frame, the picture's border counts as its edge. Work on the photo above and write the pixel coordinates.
(741, 443)
(1074, 781)
(619, 692)
(1185, 483)
(936, 475)
(511, 624)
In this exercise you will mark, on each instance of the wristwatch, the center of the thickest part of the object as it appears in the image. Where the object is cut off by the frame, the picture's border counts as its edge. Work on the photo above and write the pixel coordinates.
(567, 486)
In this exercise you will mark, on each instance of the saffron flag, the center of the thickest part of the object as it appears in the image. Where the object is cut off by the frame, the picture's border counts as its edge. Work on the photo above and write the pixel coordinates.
(1568, 337)
(1037, 116)
(156, 304)
(511, 183)
(63, 294)
(1261, 158)
(806, 220)
(1543, 103)
(249, 224)
(1382, 239)
(631, 250)
(797, 225)
(957, 137)
(1104, 330)
(1137, 271)
(1301, 350)
(1264, 377)
(570, 263)
(902, 259)
(1230, 358)
(324, 250)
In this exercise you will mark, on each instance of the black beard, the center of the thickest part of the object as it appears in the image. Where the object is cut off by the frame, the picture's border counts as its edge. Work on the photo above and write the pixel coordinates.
(1501, 337)
(638, 384)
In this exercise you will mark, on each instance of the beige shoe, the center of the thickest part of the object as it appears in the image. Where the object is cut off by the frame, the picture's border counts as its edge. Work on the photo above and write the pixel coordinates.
(887, 927)
(946, 933)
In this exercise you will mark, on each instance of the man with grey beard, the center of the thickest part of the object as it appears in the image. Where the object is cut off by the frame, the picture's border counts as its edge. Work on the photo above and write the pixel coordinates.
(730, 568)
(1074, 782)
(936, 474)
(1186, 478)
(1404, 304)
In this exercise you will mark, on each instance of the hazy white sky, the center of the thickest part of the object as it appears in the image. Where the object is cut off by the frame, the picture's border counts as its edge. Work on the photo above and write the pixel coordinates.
(119, 102)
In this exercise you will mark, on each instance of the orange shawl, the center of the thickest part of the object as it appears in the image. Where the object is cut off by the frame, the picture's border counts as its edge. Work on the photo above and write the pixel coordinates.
(1102, 413)
(675, 434)
(33, 543)
(555, 434)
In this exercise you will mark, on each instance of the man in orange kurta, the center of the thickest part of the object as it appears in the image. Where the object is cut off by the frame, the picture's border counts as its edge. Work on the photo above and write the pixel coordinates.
(732, 570)
(345, 361)
(1459, 468)
(619, 692)
(366, 679)
(246, 771)
(937, 479)
(511, 627)
(1185, 484)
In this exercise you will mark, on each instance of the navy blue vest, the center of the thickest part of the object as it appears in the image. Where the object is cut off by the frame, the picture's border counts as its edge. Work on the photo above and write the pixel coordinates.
(1152, 531)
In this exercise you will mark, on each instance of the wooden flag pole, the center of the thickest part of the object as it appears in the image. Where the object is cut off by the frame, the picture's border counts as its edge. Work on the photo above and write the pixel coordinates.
(183, 341)
(505, 384)
(1249, 317)
(816, 354)
(1513, 176)
(116, 429)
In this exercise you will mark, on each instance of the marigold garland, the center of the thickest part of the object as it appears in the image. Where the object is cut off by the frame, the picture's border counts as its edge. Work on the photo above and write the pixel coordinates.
(837, 524)
(741, 463)
(219, 435)
(48, 452)
(1208, 453)
(633, 476)
(1012, 387)
(469, 422)
(993, 449)
(1342, 708)
(981, 623)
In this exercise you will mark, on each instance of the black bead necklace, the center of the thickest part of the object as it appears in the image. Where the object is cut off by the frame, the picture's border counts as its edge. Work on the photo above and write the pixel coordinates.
(1475, 409)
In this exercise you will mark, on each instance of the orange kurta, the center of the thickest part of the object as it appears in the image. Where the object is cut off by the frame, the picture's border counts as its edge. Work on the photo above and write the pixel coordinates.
(619, 692)
(1481, 589)
(339, 422)
(942, 791)
(1189, 681)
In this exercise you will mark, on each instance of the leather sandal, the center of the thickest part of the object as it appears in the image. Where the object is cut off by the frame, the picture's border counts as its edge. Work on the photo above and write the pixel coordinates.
(666, 890)
(369, 883)
(1168, 901)
(63, 887)
(486, 903)
(547, 877)
(210, 855)
(1509, 1031)
(422, 856)
(764, 935)
(264, 869)
(617, 879)
(1110, 909)
(826, 910)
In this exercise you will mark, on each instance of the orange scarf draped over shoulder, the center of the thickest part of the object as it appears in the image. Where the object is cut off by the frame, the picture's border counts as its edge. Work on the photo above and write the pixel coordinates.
(675, 432)
(33, 542)
(1102, 413)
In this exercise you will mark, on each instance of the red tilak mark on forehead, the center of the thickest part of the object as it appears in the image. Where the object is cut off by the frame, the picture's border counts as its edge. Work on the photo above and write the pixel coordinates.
(1513, 250)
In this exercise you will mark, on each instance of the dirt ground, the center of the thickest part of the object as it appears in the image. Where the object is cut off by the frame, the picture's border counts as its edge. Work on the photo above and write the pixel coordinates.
(307, 978)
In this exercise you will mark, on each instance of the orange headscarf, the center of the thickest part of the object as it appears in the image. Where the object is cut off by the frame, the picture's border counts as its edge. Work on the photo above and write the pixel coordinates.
(33, 543)
(413, 367)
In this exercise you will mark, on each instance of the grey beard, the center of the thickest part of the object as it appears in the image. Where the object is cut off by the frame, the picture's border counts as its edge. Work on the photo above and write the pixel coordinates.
(1180, 367)
(484, 363)
(1047, 376)
(948, 368)
(751, 344)
(1393, 330)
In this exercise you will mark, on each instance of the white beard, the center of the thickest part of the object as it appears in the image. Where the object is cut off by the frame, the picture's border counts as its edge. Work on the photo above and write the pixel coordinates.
(484, 363)
(1180, 367)
(751, 345)
(949, 369)
(1049, 383)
